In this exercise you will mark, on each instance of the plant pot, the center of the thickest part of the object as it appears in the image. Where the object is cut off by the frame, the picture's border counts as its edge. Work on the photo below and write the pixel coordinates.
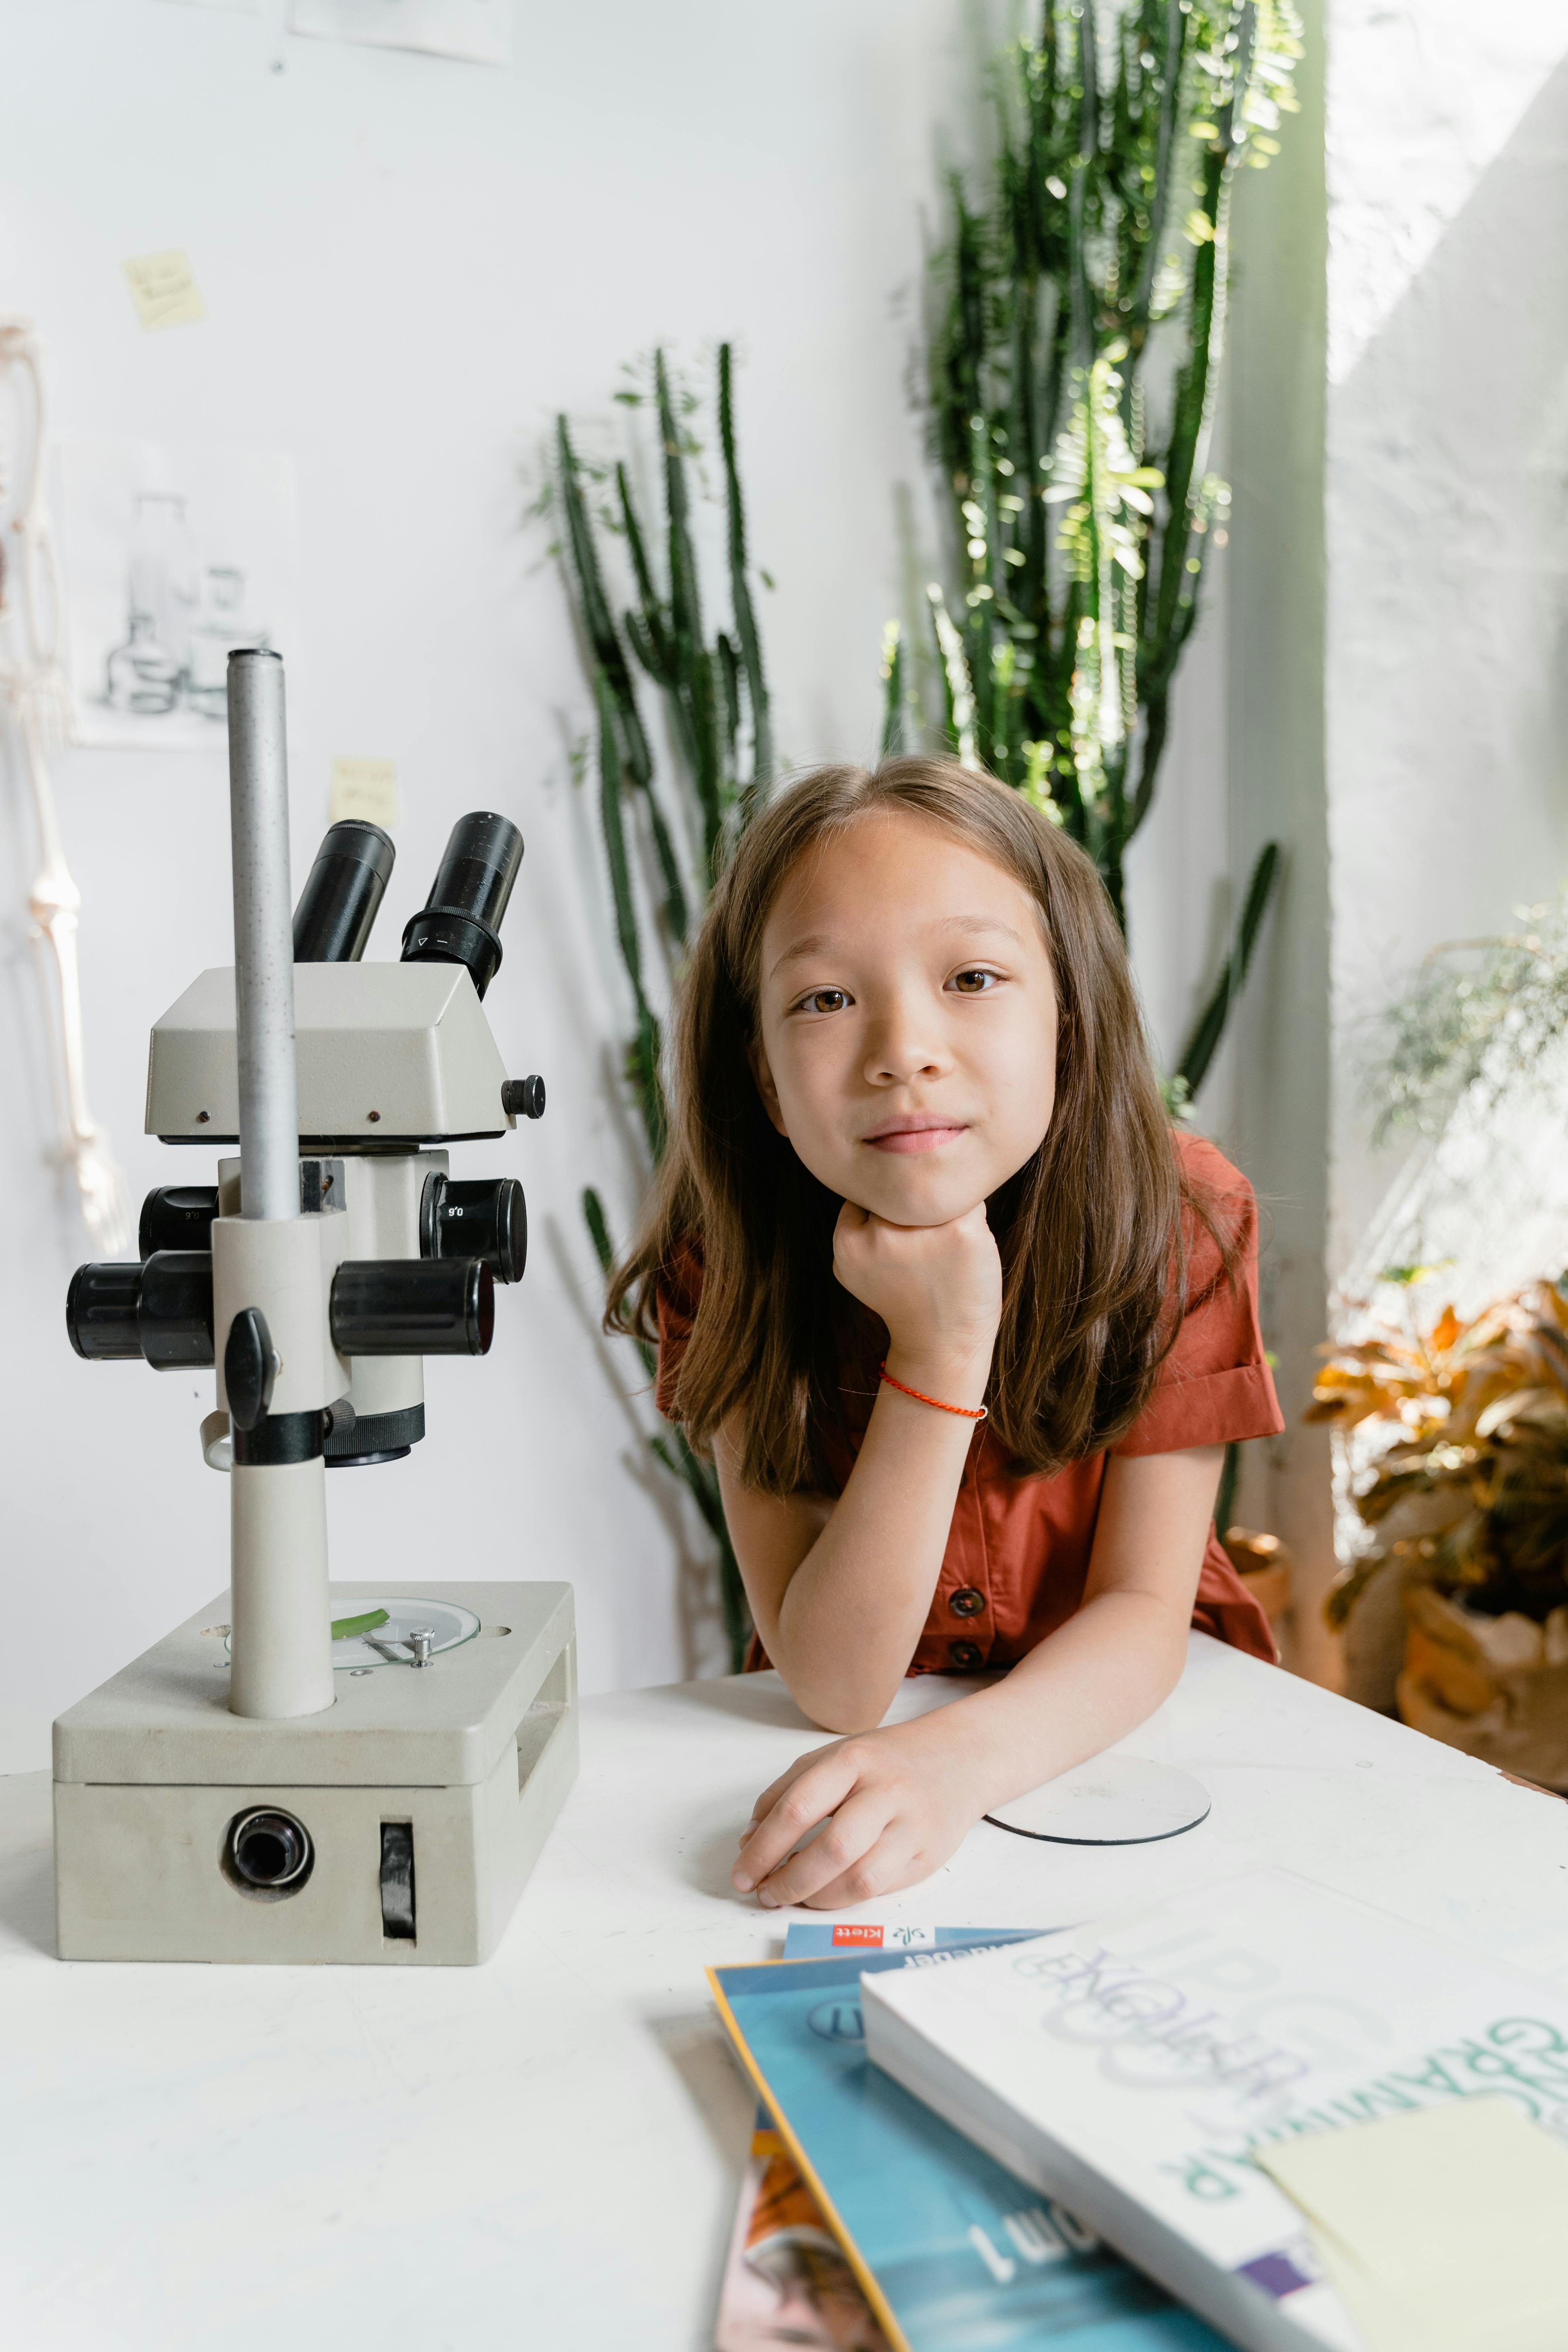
(1371, 1645)
(1495, 1687)
(1264, 1565)
(1372, 1638)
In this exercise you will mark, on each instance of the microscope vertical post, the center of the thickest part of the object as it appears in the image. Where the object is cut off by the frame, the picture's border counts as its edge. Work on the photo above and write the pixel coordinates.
(268, 1263)
(263, 938)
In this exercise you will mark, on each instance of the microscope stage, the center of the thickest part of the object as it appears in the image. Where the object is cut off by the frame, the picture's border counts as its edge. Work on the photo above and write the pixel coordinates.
(418, 1802)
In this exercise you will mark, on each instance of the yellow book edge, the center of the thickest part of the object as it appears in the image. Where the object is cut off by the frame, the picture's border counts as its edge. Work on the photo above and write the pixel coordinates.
(869, 2286)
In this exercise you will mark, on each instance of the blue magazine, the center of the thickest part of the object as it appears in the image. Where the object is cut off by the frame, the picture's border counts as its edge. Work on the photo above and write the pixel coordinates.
(952, 2252)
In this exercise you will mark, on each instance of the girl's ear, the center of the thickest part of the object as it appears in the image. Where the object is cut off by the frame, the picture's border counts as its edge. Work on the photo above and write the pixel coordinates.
(756, 1053)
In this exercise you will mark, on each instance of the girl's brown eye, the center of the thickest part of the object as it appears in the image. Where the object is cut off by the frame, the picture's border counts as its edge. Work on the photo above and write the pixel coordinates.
(825, 1000)
(973, 983)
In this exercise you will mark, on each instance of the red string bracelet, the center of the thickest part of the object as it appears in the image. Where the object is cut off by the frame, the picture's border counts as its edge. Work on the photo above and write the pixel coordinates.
(965, 1412)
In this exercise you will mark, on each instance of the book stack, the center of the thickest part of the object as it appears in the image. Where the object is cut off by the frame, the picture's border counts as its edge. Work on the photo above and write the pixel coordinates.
(1241, 2116)
(1162, 2075)
(868, 2224)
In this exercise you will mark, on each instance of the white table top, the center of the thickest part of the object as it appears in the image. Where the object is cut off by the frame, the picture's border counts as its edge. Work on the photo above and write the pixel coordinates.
(545, 2151)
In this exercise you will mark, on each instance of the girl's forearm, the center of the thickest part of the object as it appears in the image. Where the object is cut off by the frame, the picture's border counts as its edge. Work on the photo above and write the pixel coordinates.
(854, 1609)
(1087, 1685)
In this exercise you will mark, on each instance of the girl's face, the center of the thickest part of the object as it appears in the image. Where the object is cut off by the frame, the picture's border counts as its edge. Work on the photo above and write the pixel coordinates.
(907, 1039)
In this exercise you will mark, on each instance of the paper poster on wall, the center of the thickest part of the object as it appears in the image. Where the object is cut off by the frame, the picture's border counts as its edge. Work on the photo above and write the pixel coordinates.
(164, 291)
(366, 788)
(172, 557)
(479, 30)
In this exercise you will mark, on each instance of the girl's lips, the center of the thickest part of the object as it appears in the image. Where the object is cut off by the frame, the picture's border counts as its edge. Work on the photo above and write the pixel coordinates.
(914, 1138)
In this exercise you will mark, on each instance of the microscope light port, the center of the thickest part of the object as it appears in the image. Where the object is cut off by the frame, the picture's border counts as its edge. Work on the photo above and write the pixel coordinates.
(269, 1852)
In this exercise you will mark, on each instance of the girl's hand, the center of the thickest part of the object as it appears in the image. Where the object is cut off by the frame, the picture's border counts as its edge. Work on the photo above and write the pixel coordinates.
(938, 1288)
(896, 1802)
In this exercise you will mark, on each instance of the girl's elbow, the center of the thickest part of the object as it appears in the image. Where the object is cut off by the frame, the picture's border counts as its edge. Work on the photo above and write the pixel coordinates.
(847, 1723)
(846, 1714)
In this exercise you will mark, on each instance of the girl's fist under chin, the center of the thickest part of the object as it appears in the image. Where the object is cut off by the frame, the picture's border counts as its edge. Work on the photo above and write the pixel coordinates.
(938, 1288)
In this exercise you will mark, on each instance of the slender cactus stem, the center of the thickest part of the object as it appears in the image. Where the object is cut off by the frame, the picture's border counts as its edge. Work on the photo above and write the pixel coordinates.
(740, 588)
(893, 690)
(715, 693)
(1209, 1028)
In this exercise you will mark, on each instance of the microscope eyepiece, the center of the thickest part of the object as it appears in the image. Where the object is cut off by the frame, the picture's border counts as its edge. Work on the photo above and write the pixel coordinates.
(343, 893)
(101, 1313)
(460, 921)
(160, 1309)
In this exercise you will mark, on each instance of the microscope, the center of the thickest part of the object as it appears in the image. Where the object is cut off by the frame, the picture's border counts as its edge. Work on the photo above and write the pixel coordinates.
(357, 1772)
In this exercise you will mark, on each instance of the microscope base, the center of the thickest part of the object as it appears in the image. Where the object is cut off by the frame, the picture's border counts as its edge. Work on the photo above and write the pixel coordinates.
(424, 1795)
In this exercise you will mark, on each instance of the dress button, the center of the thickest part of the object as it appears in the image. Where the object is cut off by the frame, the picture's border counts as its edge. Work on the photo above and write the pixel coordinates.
(965, 1653)
(966, 1601)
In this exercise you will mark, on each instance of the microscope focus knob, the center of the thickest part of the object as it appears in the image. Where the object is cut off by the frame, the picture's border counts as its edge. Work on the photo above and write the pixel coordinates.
(249, 1369)
(523, 1098)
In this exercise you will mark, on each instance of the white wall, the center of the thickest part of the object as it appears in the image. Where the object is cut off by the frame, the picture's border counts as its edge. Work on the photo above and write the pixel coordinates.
(409, 266)
(1447, 503)
(1399, 447)
(1279, 1047)
(1396, 606)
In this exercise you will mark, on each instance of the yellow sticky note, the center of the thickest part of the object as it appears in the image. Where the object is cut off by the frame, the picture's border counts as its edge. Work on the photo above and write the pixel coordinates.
(164, 291)
(366, 788)
(1444, 2230)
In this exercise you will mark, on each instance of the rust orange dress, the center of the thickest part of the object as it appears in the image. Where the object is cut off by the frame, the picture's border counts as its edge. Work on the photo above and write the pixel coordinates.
(1017, 1554)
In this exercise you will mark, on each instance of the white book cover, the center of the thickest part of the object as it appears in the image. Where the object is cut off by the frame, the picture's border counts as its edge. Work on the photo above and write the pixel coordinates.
(1131, 2066)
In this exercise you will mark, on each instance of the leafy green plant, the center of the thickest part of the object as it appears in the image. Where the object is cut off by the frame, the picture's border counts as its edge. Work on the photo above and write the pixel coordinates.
(694, 802)
(1478, 1012)
(1078, 502)
(1477, 1415)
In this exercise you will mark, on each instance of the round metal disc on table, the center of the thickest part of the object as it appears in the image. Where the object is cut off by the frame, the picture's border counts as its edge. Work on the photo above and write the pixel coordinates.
(1112, 1801)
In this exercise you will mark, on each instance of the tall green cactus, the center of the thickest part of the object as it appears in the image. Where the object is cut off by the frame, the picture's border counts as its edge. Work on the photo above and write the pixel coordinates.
(715, 694)
(1104, 234)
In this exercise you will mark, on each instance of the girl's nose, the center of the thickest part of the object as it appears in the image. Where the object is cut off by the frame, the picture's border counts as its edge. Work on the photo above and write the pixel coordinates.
(905, 1043)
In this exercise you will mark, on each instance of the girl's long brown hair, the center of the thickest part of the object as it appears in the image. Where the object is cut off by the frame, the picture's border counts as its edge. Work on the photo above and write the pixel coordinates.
(1092, 1232)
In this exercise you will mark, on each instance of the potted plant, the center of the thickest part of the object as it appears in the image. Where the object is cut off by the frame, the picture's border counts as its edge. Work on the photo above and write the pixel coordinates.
(1468, 1506)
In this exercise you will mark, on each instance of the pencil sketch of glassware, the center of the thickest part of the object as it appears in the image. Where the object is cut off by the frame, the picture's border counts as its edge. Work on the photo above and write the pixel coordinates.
(141, 676)
(147, 672)
(183, 619)
(175, 557)
(220, 627)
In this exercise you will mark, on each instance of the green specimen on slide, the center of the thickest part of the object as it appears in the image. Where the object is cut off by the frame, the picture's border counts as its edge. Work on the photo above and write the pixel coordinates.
(345, 1628)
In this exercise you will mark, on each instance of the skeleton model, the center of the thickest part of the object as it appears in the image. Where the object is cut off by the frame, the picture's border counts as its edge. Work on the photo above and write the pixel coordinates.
(34, 694)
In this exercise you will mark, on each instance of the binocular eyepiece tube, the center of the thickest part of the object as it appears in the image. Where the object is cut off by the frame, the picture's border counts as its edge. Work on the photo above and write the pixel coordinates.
(460, 921)
(343, 893)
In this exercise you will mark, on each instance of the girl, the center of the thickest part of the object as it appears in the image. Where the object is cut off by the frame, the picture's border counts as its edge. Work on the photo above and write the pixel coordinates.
(965, 1325)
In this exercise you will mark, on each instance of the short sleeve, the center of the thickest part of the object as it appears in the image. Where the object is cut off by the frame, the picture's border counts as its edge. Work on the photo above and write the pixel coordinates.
(1215, 1385)
(676, 1298)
